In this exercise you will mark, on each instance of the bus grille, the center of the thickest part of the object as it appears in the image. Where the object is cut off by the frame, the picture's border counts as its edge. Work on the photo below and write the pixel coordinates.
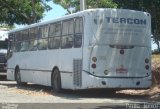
(2, 58)
(77, 72)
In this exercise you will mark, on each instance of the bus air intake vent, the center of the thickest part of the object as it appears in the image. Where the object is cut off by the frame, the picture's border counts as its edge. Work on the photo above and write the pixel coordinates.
(77, 72)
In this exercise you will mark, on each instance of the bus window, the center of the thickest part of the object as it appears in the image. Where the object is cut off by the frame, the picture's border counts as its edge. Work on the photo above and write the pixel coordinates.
(54, 36)
(25, 35)
(11, 45)
(25, 42)
(78, 33)
(18, 36)
(24, 46)
(18, 46)
(33, 39)
(33, 33)
(67, 34)
(43, 38)
(18, 41)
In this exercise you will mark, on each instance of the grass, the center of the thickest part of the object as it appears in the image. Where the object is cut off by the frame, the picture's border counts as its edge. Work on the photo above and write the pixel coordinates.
(156, 70)
(155, 59)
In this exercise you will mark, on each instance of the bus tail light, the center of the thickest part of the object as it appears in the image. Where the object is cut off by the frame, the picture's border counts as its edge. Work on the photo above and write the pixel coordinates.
(146, 60)
(93, 65)
(147, 67)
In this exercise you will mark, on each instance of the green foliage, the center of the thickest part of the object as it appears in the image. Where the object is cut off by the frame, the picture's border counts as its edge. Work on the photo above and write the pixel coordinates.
(151, 6)
(67, 4)
(22, 12)
(7, 26)
(156, 51)
(100, 4)
(74, 5)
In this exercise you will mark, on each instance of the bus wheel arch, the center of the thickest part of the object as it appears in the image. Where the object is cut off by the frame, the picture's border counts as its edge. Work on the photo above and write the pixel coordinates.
(56, 80)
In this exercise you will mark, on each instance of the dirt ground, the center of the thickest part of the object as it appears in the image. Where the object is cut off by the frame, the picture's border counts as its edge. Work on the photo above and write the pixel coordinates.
(151, 94)
(33, 93)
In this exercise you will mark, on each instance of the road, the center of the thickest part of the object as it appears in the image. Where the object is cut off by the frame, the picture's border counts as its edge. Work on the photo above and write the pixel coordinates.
(96, 99)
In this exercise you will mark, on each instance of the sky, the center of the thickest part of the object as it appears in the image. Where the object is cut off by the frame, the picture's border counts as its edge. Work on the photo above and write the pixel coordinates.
(57, 11)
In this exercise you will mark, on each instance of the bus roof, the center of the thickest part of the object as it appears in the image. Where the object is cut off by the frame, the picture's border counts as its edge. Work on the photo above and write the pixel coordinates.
(78, 14)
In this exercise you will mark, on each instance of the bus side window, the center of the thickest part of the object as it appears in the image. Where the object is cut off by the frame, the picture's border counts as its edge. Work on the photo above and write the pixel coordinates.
(78, 32)
(67, 34)
(25, 41)
(33, 39)
(18, 41)
(43, 37)
(54, 36)
(11, 45)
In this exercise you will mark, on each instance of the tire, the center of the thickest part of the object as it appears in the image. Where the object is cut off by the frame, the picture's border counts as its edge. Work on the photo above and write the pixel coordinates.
(56, 81)
(18, 77)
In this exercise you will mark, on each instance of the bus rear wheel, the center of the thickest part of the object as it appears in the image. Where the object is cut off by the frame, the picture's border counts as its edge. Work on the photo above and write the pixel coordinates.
(56, 81)
(18, 77)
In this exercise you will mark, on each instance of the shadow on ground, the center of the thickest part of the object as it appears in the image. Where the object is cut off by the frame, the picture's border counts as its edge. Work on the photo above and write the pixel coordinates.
(72, 94)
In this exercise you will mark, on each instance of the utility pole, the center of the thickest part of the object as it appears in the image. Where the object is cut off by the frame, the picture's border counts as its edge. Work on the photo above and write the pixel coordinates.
(82, 5)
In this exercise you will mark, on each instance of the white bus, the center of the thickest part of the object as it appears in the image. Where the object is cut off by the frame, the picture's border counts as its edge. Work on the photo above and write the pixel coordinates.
(95, 48)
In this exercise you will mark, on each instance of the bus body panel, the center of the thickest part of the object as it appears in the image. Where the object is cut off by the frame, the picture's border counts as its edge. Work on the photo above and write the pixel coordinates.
(113, 62)
(109, 34)
(39, 71)
(120, 27)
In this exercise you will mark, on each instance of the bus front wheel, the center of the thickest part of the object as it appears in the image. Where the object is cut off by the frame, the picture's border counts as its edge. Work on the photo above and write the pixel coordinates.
(18, 77)
(56, 81)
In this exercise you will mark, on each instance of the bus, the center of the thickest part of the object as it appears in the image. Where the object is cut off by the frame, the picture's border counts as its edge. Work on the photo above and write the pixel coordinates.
(94, 48)
(3, 52)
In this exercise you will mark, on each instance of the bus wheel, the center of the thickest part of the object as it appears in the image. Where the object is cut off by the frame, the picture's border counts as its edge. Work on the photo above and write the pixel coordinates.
(18, 77)
(56, 81)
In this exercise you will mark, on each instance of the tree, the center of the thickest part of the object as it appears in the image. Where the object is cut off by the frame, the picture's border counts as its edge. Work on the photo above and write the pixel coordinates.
(6, 26)
(22, 12)
(151, 6)
(100, 4)
(74, 5)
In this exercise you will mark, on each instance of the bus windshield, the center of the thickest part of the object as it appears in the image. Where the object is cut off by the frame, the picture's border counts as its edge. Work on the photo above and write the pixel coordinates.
(3, 45)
